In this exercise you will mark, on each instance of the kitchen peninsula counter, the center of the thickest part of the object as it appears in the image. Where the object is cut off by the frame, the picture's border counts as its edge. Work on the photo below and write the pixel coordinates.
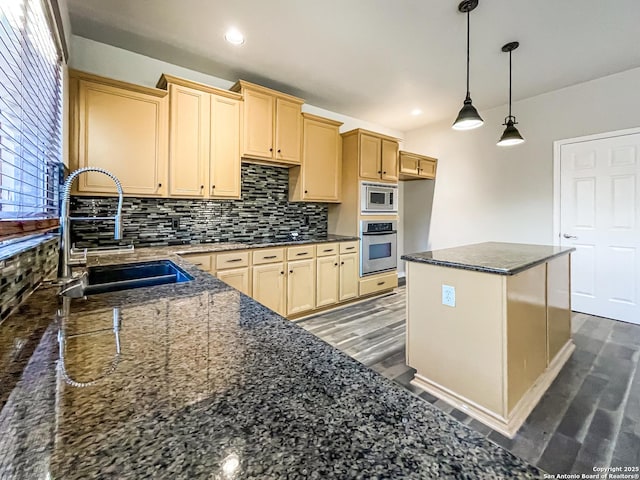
(210, 384)
(489, 326)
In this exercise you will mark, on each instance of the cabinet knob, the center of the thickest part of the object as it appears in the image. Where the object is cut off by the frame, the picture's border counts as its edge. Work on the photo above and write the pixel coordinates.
(306, 191)
(201, 187)
(271, 149)
(379, 171)
(212, 187)
(290, 271)
(279, 150)
(341, 263)
(282, 273)
(159, 185)
(335, 264)
(384, 173)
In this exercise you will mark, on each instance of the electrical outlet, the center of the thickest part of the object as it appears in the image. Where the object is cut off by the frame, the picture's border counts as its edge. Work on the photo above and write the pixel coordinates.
(449, 295)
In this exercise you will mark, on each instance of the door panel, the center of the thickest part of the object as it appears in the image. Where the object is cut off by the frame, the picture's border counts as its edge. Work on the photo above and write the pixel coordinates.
(599, 212)
(269, 286)
(288, 130)
(389, 160)
(124, 132)
(225, 148)
(370, 157)
(188, 142)
(301, 286)
(322, 165)
(327, 280)
(349, 270)
(258, 124)
(238, 278)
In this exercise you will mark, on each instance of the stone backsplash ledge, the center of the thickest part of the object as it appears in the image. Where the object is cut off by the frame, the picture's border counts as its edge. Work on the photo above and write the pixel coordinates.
(263, 212)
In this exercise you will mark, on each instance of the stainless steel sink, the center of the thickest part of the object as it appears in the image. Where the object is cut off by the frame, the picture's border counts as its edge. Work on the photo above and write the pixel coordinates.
(113, 278)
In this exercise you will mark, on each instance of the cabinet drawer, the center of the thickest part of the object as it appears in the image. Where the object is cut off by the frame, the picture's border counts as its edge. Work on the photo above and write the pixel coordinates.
(326, 249)
(232, 260)
(202, 261)
(349, 247)
(269, 255)
(300, 253)
(378, 284)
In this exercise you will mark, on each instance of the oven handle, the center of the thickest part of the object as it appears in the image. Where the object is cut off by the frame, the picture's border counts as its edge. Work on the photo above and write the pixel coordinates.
(390, 232)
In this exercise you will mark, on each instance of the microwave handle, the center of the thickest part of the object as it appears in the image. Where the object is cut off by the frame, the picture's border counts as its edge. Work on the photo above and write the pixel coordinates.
(389, 232)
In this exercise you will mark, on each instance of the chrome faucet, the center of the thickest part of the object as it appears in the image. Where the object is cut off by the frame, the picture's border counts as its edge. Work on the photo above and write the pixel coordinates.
(64, 265)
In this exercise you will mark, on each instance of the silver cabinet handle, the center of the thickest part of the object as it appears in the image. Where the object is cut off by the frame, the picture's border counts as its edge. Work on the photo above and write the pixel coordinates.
(566, 235)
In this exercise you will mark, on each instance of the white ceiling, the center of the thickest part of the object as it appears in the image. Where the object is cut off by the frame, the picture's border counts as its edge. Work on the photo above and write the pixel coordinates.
(378, 59)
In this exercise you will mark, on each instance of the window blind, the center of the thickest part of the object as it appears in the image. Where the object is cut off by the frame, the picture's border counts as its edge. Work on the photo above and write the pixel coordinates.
(30, 113)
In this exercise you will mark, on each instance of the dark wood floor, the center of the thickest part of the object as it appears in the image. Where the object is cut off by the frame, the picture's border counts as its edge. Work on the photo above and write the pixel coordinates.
(589, 417)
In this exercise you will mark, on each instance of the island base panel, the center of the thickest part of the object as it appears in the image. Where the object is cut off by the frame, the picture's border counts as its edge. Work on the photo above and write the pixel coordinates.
(507, 426)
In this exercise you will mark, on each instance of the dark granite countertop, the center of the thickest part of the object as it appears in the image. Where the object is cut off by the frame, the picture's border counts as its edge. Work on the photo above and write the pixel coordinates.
(210, 384)
(490, 257)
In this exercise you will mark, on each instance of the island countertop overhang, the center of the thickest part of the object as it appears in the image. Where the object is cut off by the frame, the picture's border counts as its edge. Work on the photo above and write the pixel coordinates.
(490, 257)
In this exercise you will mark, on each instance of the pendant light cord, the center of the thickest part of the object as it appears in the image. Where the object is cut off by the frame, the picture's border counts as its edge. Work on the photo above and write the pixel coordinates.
(509, 83)
(468, 36)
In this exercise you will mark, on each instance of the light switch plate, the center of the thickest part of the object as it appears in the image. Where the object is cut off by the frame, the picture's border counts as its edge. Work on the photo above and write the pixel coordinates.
(449, 295)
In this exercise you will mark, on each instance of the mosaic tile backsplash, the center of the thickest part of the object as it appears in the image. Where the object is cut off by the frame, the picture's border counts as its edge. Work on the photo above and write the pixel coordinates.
(21, 273)
(263, 212)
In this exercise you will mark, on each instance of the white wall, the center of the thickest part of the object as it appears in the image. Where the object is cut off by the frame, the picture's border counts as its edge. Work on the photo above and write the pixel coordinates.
(488, 193)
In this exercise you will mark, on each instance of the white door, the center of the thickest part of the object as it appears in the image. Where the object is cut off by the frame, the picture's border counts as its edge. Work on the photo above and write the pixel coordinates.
(600, 217)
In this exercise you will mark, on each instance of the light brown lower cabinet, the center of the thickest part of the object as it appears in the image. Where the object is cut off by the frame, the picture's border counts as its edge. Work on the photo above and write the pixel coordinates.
(348, 276)
(301, 286)
(328, 276)
(289, 280)
(238, 278)
(269, 286)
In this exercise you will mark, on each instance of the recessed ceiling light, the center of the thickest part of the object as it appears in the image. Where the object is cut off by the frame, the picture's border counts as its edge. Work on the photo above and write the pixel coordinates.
(416, 112)
(234, 36)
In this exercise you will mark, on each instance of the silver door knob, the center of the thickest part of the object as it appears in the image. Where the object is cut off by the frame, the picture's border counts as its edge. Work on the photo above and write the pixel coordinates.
(566, 235)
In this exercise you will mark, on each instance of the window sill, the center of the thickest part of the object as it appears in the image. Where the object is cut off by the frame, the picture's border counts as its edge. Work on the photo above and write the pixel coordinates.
(11, 248)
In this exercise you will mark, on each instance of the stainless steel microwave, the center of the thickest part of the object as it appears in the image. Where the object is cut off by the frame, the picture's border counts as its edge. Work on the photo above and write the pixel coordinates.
(378, 198)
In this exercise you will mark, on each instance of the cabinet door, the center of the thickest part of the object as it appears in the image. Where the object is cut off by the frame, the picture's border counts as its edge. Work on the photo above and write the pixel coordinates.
(427, 168)
(370, 152)
(288, 132)
(238, 278)
(348, 276)
(301, 286)
(327, 279)
(224, 162)
(258, 124)
(389, 160)
(124, 132)
(268, 286)
(409, 164)
(322, 166)
(188, 142)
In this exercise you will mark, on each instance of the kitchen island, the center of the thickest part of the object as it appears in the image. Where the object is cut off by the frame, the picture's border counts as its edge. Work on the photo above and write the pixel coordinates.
(489, 326)
(210, 384)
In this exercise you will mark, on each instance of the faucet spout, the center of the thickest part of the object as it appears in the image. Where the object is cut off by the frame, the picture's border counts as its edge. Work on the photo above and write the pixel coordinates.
(64, 268)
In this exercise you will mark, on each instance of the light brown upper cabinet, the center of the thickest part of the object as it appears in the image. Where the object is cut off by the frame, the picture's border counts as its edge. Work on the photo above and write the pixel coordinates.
(204, 140)
(119, 127)
(271, 124)
(377, 155)
(319, 178)
(417, 167)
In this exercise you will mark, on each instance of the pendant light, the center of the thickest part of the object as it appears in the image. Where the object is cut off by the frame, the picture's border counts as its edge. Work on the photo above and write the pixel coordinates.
(468, 117)
(511, 135)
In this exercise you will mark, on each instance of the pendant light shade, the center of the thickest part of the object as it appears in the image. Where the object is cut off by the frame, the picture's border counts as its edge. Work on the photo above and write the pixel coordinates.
(511, 135)
(468, 117)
